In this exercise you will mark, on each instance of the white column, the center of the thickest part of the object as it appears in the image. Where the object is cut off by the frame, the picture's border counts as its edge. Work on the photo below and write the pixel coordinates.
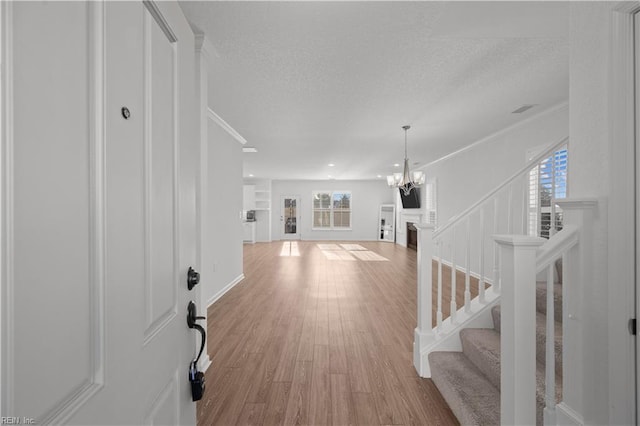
(518, 328)
(423, 334)
(577, 316)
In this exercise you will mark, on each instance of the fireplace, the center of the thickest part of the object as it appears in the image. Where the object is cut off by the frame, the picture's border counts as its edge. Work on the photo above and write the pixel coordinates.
(412, 236)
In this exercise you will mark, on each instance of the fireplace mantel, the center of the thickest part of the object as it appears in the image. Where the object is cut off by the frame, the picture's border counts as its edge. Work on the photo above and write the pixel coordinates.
(414, 216)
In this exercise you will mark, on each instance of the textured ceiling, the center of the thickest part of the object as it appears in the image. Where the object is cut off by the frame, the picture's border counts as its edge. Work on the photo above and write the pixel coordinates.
(312, 83)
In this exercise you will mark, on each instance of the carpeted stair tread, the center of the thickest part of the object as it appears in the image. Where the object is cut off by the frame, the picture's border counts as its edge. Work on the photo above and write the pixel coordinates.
(471, 396)
(541, 299)
(482, 347)
(541, 333)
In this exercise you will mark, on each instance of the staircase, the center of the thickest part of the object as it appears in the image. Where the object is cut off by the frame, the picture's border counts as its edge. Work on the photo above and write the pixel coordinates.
(470, 380)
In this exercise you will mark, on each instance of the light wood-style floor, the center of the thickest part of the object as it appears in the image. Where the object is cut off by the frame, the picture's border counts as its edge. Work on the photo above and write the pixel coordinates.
(318, 334)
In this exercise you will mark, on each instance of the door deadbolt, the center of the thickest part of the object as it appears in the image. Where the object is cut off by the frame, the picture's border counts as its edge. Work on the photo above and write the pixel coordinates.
(193, 278)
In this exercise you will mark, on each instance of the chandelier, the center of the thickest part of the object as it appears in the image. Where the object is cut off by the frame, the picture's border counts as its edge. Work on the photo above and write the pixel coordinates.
(406, 180)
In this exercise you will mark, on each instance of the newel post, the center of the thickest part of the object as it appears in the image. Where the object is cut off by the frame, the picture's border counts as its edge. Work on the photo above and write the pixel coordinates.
(423, 334)
(518, 328)
(577, 316)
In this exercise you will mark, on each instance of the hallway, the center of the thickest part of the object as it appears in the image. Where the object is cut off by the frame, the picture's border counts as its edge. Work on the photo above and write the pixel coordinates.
(319, 333)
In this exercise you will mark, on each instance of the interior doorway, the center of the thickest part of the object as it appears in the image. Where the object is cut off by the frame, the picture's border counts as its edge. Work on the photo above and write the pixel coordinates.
(289, 217)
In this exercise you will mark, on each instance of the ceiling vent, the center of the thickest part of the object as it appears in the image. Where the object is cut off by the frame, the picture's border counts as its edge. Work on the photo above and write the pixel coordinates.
(522, 109)
(249, 149)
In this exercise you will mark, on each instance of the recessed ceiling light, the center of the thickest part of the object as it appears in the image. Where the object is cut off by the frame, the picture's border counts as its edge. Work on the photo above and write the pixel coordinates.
(379, 176)
(249, 149)
(330, 164)
(396, 165)
(329, 176)
(250, 175)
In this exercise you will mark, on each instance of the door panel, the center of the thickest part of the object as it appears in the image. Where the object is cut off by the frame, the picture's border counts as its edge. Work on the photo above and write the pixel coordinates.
(51, 221)
(161, 176)
(100, 220)
(289, 217)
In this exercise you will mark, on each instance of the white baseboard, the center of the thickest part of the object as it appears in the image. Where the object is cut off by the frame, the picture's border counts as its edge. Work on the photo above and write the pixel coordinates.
(225, 289)
(204, 362)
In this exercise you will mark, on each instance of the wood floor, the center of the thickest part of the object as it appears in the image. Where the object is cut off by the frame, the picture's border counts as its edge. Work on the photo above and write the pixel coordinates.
(319, 334)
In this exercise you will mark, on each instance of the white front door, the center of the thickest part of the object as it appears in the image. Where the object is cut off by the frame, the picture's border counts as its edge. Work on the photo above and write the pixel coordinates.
(636, 18)
(98, 197)
(289, 217)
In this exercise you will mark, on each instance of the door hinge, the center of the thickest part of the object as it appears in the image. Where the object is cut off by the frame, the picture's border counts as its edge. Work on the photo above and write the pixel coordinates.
(632, 326)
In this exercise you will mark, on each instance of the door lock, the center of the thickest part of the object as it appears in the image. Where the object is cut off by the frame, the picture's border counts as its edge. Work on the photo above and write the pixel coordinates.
(193, 278)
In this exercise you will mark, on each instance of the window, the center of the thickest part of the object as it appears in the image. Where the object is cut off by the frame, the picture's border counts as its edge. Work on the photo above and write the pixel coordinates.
(431, 205)
(331, 210)
(547, 183)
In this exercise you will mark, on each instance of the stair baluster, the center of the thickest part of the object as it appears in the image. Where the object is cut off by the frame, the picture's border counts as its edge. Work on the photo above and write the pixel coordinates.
(550, 355)
(483, 236)
(439, 301)
(467, 277)
(454, 307)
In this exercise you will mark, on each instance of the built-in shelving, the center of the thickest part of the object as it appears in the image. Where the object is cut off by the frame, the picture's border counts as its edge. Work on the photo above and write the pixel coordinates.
(259, 192)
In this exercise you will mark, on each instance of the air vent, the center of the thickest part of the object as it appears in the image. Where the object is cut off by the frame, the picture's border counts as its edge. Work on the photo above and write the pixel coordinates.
(522, 109)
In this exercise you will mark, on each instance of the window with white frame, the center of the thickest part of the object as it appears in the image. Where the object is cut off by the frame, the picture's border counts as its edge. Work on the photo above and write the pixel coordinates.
(547, 183)
(431, 204)
(331, 209)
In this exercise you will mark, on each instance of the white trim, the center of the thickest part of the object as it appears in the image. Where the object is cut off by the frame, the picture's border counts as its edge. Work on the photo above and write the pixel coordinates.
(550, 110)
(7, 241)
(213, 299)
(205, 362)
(621, 216)
(154, 10)
(226, 127)
(566, 416)
(202, 184)
(98, 183)
(203, 46)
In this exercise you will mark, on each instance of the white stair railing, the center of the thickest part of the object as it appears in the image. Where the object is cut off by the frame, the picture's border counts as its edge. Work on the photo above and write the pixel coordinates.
(523, 257)
(467, 236)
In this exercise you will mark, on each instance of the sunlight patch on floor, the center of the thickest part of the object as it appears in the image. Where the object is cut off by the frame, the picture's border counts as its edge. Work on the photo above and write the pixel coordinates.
(290, 249)
(352, 247)
(368, 256)
(349, 252)
(338, 255)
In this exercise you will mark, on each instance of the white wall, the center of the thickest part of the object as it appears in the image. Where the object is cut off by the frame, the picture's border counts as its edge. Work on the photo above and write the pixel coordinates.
(366, 199)
(223, 243)
(465, 177)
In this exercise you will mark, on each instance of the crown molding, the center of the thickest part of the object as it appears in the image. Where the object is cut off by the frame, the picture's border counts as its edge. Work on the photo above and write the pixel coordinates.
(220, 122)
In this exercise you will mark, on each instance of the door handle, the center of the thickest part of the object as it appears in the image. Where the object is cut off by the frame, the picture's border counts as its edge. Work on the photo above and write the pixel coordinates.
(196, 377)
(192, 316)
